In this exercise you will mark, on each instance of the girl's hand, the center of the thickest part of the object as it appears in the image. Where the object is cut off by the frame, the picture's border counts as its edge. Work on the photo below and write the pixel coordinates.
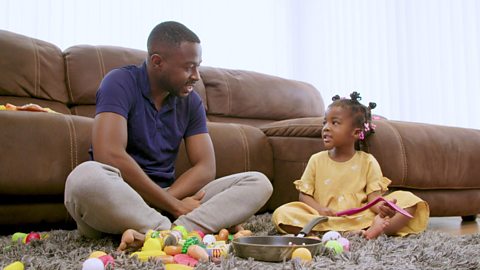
(325, 211)
(384, 210)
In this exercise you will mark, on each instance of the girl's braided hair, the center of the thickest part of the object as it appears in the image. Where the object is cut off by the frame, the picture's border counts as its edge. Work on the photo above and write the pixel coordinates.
(361, 114)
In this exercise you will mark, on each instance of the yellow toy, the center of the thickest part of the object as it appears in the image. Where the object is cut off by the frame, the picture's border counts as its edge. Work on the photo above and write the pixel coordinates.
(15, 266)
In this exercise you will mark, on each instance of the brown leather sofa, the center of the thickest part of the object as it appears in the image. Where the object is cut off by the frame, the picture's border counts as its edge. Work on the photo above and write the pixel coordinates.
(256, 121)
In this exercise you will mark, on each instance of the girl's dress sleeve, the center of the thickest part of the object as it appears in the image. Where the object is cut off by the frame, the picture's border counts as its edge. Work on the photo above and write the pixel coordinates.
(306, 184)
(375, 179)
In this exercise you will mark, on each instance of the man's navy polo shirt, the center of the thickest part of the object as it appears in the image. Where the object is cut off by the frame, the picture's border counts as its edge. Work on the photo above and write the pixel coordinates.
(153, 136)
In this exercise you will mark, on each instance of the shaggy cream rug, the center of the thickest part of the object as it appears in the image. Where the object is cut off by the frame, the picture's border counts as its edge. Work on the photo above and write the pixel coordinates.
(430, 250)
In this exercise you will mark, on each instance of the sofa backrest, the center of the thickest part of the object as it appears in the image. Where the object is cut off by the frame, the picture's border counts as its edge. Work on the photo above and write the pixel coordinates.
(35, 71)
(31, 71)
(85, 67)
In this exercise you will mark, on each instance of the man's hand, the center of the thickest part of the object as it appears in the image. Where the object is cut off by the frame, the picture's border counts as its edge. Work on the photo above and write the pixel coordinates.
(384, 210)
(188, 204)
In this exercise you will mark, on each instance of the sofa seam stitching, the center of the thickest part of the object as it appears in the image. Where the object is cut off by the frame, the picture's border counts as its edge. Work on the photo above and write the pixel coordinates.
(35, 57)
(229, 95)
(245, 146)
(101, 62)
(67, 77)
(71, 141)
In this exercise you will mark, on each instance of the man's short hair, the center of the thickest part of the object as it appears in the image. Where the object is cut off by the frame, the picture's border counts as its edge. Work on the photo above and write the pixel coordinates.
(170, 33)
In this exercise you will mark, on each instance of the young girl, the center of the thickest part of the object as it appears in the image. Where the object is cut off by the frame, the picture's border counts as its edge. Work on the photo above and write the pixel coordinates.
(342, 178)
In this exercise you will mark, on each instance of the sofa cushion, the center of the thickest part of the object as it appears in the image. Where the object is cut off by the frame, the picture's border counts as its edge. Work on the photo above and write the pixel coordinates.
(31, 68)
(252, 95)
(39, 150)
(86, 66)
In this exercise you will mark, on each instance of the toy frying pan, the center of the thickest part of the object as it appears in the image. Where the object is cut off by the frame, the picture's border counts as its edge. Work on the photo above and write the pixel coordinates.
(277, 248)
(372, 203)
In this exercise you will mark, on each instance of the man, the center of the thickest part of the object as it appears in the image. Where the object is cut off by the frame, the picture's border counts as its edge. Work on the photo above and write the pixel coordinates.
(142, 115)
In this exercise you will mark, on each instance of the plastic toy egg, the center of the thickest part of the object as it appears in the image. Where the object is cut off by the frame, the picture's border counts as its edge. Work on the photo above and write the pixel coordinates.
(97, 254)
(152, 244)
(93, 264)
(209, 239)
(331, 235)
(335, 246)
(345, 243)
(18, 237)
(107, 260)
(302, 253)
(15, 266)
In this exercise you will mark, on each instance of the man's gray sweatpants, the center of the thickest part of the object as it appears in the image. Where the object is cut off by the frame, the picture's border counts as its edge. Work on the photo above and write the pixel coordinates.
(100, 201)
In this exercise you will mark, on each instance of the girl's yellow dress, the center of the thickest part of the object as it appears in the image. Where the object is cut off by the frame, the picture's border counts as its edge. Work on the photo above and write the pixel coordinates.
(345, 185)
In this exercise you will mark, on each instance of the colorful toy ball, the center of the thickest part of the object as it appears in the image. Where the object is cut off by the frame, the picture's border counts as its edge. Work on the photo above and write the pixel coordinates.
(15, 266)
(93, 264)
(331, 235)
(335, 246)
(345, 243)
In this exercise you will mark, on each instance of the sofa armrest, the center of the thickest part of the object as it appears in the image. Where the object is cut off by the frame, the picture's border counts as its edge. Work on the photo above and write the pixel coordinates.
(39, 150)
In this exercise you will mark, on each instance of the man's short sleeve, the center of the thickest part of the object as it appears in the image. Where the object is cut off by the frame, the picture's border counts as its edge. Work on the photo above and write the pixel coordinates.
(115, 93)
(197, 123)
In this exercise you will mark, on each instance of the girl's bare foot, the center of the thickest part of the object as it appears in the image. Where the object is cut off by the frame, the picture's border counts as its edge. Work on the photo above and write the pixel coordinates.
(131, 240)
(377, 227)
(353, 233)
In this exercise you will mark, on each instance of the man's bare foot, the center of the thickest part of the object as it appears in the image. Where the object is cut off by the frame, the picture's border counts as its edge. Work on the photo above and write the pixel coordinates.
(377, 227)
(131, 240)
(236, 228)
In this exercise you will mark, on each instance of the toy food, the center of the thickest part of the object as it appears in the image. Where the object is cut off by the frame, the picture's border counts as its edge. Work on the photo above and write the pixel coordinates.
(93, 264)
(185, 260)
(15, 266)
(144, 255)
(177, 267)
(97, 254)
(31, 236)
(197, 252)
(182, 230)
(18, 237)
(222, 235)
(345, 243)
(173, 250)
(335, 246)
(152, 244)
(107, 260)
(302, 253)
(165, 259)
